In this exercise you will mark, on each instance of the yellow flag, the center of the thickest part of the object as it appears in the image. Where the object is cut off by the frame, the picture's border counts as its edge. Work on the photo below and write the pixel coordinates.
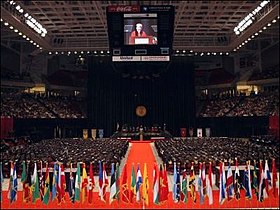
(84, 183)
(145, 186)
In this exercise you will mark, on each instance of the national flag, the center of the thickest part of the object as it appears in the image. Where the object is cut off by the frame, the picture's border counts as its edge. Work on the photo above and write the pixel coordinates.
(54, 181)
(145, 188)
(14, 185)
(46, 196)
(192, 183)
(78, 183)
(1, 181)
(262, 189)
(229, 183)
(274, 178)
(156, 184)
(209, 184)
(236, 181)
(27, 193)
(247, 181)
(139, 182)
(35, 185)
(41, 181)
(132, 185)
(23, 181)
(91, 183)
(63, 182)
(71, 188)
(222, 195)
(104, 183)
(174, 182)
(203, 179)
(164, 187)
(255, 180)
(10, 189)
(58, 183)
(184, 191)
(200, 184)
(100, 178)
(84, 183)
(113, 187)
(267, 177)
(178, 183)
(125, 192)
(117, 196)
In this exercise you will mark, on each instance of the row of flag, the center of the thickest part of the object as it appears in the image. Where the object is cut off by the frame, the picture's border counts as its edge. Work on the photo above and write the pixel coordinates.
(37, 186)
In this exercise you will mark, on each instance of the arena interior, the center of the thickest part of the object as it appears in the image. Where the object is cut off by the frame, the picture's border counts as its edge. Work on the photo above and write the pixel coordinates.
(139, 104)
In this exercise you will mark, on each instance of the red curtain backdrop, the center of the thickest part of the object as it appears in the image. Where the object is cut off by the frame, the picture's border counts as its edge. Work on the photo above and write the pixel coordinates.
(7, 125)
(274, 125)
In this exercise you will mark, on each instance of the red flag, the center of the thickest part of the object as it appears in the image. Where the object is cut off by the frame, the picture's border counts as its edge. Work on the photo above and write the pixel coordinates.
(91, 184)
(274, 178)
(63, 183)
(125, 192)
(165, 189)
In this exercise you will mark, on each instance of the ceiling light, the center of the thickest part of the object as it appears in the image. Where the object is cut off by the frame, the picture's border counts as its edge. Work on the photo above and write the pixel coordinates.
(17, 7)
(23, 36)
(246, 41)
(101, 51)
(252, 36)
(82, 52)
(34, 43)
(227, 53)
(11, 27)
(269, 24)
(108, 51)
(234, 49)
(214, 53)
(195, 53)
(6, 24)
(177, 51)
(20, 33)
(208, 53)
(249, 39)
(31, 41)
(37, 45)
(264, 28)
(80, 56)
(274, 21)
(27, 38)
(75, 52)
(243, 43)
(69, 52)
(16, 30)
(26, 15)
(11, 2)
(256, 34)
(40, 48)
(191, 51)
(50, 53)
(221, 53)
(240, 45)
(62, 53)
(95, 52)
(184, 51)
(56, 53)
(1, 20)
(21, 10)
(202, 54)
(260, 31)
(87, 52)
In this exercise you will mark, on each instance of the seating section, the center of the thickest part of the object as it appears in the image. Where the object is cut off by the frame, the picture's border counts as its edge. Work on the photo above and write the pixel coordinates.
(263, 104)
(268, 73)
(23, 105)
(67, 151)
(215, 149)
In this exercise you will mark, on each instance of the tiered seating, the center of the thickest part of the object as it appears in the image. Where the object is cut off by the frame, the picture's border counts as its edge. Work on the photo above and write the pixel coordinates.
(68, 150)
(215, 149)
(268, 73)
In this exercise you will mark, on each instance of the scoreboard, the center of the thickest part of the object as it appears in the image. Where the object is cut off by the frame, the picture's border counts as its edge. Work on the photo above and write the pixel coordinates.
(140, 33)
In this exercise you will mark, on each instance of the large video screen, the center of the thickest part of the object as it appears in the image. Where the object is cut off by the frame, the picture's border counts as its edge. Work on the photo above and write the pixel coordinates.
(140, 29)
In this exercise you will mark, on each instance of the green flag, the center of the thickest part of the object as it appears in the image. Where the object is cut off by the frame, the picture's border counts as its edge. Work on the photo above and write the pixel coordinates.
(47, 188)
(23, 174)
(78, 183)
(35, 185)
(118, 182)
(133, 185)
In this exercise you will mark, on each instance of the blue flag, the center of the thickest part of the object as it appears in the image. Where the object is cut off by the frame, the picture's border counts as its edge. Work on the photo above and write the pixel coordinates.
(14, 186)
(139, 181)
(1, 180)
(54, 181)
(175, 182)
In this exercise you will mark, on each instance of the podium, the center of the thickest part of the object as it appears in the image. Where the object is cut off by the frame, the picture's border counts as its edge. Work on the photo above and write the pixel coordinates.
(141, 40)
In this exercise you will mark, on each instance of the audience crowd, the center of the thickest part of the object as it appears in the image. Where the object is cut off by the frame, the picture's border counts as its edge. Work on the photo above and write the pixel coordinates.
(263, 104)
(23, 105)
(216, 149)
(66, 151)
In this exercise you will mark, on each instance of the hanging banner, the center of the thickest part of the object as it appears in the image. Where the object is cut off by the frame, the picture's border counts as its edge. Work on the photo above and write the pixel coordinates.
(199, 132)
(101, 133)
(207, 132)
(93, 133)
(183, 132)
(191, 132)
(85, 134)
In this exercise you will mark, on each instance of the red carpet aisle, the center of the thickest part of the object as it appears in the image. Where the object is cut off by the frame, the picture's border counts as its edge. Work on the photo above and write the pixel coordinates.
(142, 153)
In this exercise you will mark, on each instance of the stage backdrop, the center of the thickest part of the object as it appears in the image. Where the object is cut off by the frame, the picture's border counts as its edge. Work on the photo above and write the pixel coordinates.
(166, 91)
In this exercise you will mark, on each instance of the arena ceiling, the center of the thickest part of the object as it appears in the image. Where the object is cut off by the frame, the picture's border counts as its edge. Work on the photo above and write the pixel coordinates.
(200, 26)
